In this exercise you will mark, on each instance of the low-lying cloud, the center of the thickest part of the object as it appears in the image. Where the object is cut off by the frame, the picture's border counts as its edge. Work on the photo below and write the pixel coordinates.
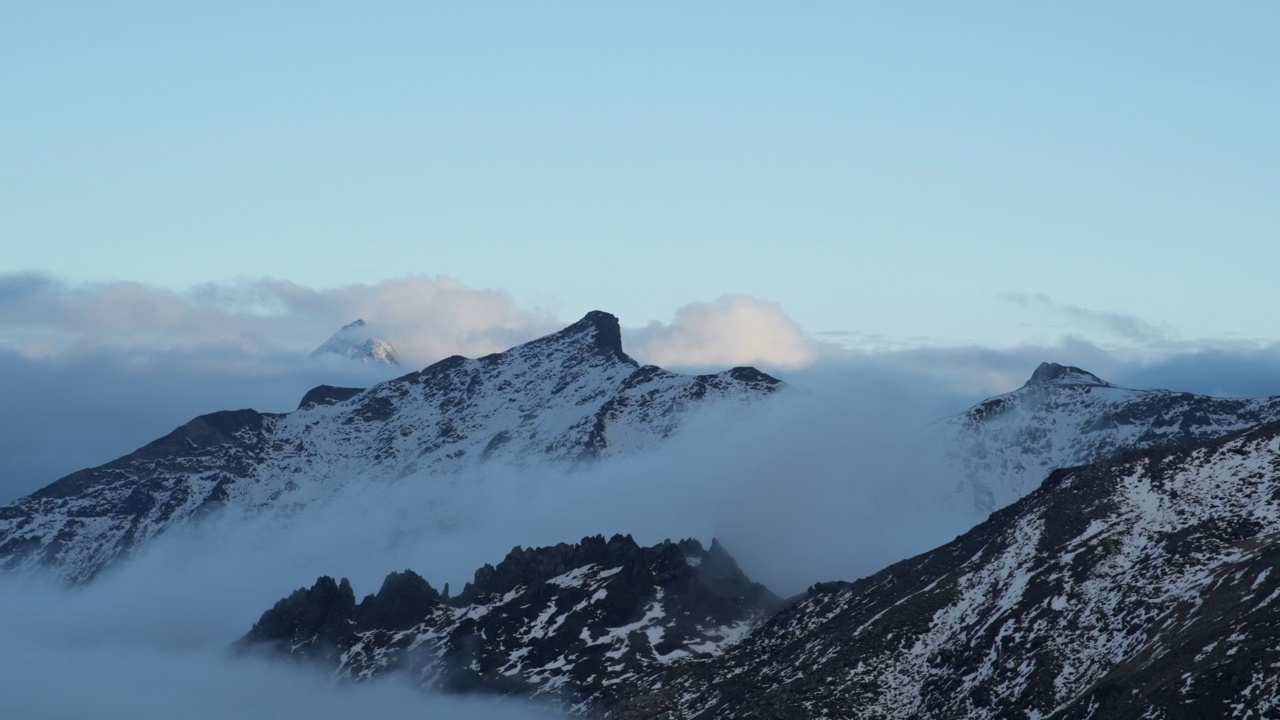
(816, 486)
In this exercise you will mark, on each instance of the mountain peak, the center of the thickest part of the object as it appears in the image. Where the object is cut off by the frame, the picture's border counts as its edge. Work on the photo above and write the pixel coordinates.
(605, 334)
(354, 341)
(1054, 374)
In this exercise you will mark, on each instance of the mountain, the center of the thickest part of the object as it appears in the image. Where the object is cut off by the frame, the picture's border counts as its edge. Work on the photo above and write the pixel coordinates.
(569, 622)
(1137, 587)
(1064, 416)
(354, 341)
(565, 399)
(1140, 587)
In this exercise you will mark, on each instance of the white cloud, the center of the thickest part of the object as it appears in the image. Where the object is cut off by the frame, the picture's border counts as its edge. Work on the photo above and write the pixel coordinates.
(255, 321)
(426, 318)
(733, 330)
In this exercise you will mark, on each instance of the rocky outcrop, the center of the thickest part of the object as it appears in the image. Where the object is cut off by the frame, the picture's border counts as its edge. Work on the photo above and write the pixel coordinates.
(573, 622)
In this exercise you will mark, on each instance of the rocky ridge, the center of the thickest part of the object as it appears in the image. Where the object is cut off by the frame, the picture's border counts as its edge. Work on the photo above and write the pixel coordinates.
(572, 623)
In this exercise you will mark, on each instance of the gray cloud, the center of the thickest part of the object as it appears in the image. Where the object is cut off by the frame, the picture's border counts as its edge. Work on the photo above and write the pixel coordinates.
(1129, 327)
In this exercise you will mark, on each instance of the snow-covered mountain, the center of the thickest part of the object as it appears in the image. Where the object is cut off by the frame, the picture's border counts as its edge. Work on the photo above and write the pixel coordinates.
(564, 399)
(1142, 587)
(570, 622)
(1064, 416)
(354, 341)
(1138, 587)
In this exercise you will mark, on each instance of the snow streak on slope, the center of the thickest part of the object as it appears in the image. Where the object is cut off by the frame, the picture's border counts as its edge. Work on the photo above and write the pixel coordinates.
(1065, 416)
(564, 399)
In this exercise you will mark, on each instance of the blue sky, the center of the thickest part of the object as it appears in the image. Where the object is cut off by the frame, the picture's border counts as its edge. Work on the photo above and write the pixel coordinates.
(906, 173)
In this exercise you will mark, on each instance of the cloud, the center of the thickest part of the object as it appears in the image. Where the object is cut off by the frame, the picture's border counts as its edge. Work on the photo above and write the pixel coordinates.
(733, 330)
(1224, 369)
(1129, 327)
(260, 320)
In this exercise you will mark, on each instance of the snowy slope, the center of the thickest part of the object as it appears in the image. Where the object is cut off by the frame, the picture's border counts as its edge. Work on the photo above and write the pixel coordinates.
(571, 397)
(355, 342)
(1064, 416)
(1144, 587)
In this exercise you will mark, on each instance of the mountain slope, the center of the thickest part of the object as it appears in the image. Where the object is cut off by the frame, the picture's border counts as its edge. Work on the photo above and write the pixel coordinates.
(567, 398)
(1142, 587)
(1064, 416)
(354, 341)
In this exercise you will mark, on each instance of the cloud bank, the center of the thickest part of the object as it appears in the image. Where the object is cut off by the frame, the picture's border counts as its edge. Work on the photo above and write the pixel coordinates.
(257, 321)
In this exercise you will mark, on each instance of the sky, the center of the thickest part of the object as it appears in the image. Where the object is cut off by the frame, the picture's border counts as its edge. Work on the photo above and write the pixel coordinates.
(196, 197)
(919, 174)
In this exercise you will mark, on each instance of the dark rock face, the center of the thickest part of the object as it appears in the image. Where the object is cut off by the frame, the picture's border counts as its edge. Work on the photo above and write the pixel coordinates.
(320, 622)
(309, 624)
(327, 395)
(569, 398)
(1049, 373)
(571, 622)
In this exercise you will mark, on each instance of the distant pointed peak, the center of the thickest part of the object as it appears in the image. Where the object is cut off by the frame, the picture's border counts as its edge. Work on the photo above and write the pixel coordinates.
(354, 341)
(1050, 373)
